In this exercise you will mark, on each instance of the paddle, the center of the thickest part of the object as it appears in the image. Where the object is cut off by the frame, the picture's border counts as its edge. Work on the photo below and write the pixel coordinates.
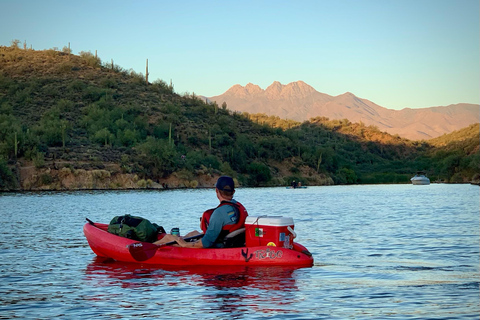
(142, 251)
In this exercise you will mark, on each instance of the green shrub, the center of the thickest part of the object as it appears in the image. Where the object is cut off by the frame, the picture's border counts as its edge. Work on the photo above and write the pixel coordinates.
(110, 83)
(39, 160)
(159, 158)
(46, 179)
(7, 178)
(346, 176)
(142, 183)
(210, 161)
(294, 170)
(161, 87)
(259, 174)
(76, 86)
(90, 59)
(64, 67)
(103, 136)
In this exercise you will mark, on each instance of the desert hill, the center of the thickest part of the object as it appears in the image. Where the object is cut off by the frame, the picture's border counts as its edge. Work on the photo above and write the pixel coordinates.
(70, 122)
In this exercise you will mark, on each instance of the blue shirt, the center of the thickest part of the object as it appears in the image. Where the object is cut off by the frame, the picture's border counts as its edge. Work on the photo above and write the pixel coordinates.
(220, 217)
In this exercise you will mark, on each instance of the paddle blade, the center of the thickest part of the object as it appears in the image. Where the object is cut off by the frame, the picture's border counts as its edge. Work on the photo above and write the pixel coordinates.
(142, 251)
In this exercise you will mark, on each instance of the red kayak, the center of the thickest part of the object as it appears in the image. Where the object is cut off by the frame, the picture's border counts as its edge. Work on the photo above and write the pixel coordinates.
(105, 244)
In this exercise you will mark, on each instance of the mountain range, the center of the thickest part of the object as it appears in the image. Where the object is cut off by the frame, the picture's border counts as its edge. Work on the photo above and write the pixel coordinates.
(300, 101)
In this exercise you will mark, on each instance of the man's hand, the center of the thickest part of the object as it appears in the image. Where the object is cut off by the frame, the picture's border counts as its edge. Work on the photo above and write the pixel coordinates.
(194, 244)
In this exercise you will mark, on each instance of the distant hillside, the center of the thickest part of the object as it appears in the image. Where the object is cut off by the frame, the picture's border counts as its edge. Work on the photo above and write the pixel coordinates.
(470, 134)
(70, 122)
(299, 101)
(459, 148)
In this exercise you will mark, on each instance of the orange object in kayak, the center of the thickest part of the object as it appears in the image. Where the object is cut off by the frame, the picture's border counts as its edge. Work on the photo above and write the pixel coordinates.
(105, 244)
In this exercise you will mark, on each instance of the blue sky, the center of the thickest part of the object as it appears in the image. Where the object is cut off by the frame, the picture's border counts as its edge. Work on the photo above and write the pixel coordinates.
(396, 53)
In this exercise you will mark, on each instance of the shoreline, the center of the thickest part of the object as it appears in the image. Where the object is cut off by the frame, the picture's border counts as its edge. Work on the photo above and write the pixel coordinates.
(161, 189)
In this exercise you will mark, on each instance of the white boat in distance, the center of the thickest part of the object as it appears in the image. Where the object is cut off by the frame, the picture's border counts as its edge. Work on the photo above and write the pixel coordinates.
(420, 179)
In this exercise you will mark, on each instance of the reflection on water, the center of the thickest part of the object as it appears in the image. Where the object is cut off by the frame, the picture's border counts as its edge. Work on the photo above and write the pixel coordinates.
(109, 272)
(394, 251)
(232, 290)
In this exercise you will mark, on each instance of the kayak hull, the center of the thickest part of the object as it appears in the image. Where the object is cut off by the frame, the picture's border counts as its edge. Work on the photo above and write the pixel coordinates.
(105, 244)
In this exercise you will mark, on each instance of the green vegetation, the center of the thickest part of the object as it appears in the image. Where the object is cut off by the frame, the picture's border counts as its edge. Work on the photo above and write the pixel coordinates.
(56, 107)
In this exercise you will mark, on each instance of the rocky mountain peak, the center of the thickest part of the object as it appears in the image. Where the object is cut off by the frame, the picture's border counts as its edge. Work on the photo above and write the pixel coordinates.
(274, 90)
(236, 90)
(298, 89)
(253, 88)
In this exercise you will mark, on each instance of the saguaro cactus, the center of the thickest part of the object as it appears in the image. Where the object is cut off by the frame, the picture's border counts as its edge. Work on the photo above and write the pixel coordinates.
(209, 140)
(64, 127)
(319, 162)
(146, 73)
(16, 142)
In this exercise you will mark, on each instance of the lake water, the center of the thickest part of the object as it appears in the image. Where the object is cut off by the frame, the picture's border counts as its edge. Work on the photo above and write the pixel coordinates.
(381, 251)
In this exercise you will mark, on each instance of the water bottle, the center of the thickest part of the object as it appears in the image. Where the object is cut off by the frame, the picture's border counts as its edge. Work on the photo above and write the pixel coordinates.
(175, 232)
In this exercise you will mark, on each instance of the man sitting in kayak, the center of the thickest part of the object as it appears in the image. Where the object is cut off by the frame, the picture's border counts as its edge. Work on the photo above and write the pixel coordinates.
(216, 223)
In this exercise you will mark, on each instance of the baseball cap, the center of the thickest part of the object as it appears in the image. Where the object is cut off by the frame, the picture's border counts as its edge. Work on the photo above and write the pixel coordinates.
(225, 183)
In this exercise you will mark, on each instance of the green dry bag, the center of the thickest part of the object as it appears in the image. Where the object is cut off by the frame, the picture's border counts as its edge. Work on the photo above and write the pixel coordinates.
(135, 228)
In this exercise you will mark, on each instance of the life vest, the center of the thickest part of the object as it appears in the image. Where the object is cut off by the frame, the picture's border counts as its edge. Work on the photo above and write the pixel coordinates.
(240, 211)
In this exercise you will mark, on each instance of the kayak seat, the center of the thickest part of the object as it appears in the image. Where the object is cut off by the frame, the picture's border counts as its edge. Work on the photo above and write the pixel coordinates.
(235, 239)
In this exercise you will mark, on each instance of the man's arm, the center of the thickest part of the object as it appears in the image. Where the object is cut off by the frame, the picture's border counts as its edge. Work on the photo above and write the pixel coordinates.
(194, 244)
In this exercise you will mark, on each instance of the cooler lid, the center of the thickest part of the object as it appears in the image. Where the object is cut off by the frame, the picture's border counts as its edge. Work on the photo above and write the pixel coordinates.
(276, 221)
